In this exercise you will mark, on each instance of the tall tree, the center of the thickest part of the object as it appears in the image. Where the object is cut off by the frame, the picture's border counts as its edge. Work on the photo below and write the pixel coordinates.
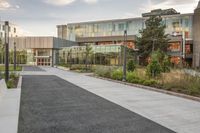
(153, 37)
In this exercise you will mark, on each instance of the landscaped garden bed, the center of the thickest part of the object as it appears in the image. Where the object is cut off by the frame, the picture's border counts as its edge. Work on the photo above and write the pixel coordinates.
(176, 80)
(13, 80)
(13, 76)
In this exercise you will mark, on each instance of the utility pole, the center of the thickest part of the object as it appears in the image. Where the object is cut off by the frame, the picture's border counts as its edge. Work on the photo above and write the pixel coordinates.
(124, 64)
(14, 56)
(6, 51)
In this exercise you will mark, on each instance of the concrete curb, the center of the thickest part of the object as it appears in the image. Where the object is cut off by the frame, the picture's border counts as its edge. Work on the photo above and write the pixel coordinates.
(151, 88)
(19, 85)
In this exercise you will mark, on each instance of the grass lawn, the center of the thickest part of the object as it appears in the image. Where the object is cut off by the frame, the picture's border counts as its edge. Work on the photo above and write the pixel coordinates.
(11, 68)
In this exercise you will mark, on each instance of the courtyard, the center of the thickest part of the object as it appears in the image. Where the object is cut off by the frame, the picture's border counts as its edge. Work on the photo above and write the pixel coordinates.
(55, 100)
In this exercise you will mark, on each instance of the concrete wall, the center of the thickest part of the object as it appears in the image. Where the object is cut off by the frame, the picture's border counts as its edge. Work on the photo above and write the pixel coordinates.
(196, 37)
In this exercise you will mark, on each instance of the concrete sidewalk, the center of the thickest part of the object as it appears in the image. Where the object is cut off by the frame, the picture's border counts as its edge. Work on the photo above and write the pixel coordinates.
(9, 109)
(179, 114)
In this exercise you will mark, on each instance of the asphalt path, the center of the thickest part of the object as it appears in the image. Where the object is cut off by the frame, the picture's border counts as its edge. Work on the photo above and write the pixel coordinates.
(32, 68)
(50, 104)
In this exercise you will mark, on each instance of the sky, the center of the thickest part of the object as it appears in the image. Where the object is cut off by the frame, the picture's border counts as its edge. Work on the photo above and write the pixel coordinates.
(40, 17)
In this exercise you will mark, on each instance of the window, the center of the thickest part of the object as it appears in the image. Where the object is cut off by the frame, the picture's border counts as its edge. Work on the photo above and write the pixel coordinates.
(15, 30)
(113, 27)
(121, 27)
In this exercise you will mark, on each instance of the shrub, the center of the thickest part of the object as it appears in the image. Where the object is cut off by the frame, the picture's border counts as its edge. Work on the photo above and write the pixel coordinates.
(13, 76)
(104, 71)
(150, 82)
(77, 67)
(130, 66)
(154, 68)
(132, 77)
(10, 83)
(117, 74)
(166, 64)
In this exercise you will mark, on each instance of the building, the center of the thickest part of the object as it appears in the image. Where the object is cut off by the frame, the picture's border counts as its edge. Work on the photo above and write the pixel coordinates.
(196, 37)
(160, 12)
(40, 51)
(99, 55)
(183, 30)
(13, 30)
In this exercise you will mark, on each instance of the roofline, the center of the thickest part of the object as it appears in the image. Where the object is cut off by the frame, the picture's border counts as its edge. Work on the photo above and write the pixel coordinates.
(125, 19)
(10, 23)
(35, 37)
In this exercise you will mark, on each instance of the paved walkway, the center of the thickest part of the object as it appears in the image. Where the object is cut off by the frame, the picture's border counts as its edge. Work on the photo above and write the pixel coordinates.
(9, 108)
(52, 105)
(179, 114)
(32, 68)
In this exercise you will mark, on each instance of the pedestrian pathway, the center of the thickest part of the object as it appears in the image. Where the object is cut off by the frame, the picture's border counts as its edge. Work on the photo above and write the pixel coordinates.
(50, 104)
(179, 114)
(9, 108)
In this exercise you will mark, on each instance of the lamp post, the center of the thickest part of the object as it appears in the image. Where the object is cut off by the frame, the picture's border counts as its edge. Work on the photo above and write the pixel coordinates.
(6, 51)
(124, 64)
(14, 56)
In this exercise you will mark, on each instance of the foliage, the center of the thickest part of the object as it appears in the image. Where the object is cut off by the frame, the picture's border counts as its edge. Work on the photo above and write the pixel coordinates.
(10, 83)
(13, 80)
(153, 37)
(117, 74)
(154, 68)
(88, 54)
(173, 81)
(105, 71)
(11, 68)
(159, 62)
(131, 65)
(166, 64)
(183, 83)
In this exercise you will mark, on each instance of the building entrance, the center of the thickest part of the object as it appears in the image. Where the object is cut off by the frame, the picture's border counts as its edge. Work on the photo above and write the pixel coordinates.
(43, 62)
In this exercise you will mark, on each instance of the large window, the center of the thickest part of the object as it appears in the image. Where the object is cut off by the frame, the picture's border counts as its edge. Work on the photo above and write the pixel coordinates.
(43, 52)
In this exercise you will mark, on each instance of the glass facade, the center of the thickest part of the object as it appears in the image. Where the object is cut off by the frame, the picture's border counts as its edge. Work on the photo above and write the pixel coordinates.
(174, 24)
(100, 54)
(179, 25)
(99, 29)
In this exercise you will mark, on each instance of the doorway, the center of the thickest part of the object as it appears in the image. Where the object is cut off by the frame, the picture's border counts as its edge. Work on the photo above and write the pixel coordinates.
(43, 62)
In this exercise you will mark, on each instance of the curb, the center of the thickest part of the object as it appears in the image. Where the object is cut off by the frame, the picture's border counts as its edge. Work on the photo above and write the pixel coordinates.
(19, 85)
(151, 88)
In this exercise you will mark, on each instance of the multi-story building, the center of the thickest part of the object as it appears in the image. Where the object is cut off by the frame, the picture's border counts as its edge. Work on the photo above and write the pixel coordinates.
(183, 30)
(13, 30)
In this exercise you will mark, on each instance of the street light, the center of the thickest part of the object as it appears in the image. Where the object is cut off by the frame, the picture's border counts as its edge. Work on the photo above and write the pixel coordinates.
(14, 56)
(124, 64)
(6, 51)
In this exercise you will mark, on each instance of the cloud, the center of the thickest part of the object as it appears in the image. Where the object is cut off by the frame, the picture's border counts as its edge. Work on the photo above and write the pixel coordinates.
(59, 2)
(5, 5)
(67, 2)
(91, 1)
(182, 6)
(172, 2)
